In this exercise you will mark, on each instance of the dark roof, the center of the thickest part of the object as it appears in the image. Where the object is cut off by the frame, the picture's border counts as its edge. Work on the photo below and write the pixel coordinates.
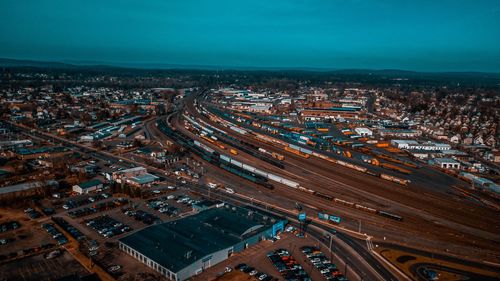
(29, 151)
(177, 244)
(90, 183)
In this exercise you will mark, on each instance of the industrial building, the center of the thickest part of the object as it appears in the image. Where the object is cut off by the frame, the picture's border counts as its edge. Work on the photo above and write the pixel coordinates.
(447, 163)
(416, 145)
(186, 247)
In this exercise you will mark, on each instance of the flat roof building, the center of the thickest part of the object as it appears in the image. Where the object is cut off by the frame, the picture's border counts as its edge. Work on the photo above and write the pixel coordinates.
(142, 180)
(447, 163)
(186, 247)
(415, 145)
(364, 132)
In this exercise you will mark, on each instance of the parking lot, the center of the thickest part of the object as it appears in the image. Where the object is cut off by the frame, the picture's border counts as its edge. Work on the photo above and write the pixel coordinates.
(38, 268)
(288, 267)
(256, 257)
(29, 235)
(57, 235)
(107, 227)
(323, 264)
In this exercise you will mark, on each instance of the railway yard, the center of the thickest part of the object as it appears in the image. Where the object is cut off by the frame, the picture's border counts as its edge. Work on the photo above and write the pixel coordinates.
(376, 212)
(425, 212)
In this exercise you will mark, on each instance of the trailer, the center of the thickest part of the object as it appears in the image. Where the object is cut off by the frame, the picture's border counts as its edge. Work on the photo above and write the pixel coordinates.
(390, 216)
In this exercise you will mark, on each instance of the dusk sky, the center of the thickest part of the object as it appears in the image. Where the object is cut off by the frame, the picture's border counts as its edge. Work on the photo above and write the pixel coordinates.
(426, 35)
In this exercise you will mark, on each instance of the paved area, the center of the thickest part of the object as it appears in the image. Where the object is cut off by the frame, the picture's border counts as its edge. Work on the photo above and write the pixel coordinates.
(256, 256)
(37, 268)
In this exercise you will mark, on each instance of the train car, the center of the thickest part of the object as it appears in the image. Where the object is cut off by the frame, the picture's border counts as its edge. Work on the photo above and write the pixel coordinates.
(390, 216)
(297, 152)
(278, 156)
(395, 168)
(324, 196)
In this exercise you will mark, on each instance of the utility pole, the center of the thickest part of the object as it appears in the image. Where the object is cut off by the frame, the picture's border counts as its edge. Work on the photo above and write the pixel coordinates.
(345, 269)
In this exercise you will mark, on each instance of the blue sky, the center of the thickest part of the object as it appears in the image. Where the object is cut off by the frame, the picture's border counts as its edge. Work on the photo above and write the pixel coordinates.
(428, 35)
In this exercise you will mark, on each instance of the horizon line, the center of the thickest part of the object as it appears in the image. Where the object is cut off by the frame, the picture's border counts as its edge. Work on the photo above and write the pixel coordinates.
(175, 66)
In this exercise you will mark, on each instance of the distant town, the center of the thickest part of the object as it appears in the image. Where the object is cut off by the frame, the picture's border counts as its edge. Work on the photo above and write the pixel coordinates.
(136, 174)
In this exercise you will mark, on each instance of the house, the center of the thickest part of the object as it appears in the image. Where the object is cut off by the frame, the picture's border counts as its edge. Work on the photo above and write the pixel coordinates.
(456, 139)
(491, 141)
(478, 140)
(88, 186)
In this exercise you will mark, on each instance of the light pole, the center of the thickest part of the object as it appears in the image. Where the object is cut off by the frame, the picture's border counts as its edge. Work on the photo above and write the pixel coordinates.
(331, 243)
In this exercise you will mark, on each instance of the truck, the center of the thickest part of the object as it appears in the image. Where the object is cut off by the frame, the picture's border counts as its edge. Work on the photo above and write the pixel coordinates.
(329, 218)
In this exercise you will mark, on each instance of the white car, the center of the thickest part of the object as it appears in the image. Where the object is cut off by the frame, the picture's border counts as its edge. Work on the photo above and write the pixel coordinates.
(170, 187)
(229, 190)
(114, 268)
(170, 197)
(156, 191)
(212, 185)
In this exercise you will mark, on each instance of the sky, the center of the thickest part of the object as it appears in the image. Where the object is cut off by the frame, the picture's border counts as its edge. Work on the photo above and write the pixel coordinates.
(421, 35)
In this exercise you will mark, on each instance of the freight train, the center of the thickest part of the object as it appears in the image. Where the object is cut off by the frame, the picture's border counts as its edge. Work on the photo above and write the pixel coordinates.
(211, 155)
(261, 177)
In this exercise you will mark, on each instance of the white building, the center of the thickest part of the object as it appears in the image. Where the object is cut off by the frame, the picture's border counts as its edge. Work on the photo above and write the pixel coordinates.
(88, 186)
(415, 145)
(364, 132)
(447, 163)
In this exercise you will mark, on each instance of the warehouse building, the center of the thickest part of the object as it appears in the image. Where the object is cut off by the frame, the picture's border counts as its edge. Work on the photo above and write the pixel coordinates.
(447, 163)
(416, 145)
(186, 247)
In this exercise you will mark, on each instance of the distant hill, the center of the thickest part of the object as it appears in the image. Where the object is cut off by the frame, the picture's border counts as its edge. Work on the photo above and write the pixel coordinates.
(390, 73)
(4, 62)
